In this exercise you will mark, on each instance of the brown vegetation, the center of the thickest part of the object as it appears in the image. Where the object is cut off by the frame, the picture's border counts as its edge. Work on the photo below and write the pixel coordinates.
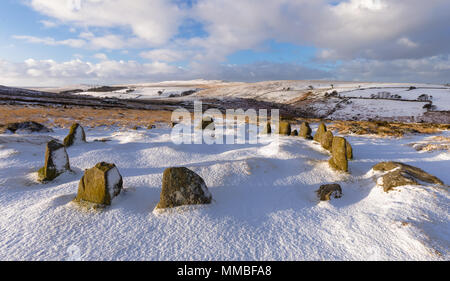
(385, 129)
(87, 116)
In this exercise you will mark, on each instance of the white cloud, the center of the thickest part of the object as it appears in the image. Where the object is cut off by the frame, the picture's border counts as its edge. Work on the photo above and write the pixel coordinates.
(48, 24)
(101, 56)
(49, 72)
(166, 55)
(74, 43)
(155, 21)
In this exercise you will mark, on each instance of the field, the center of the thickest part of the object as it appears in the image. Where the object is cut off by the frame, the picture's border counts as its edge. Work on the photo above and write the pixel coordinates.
(264, 202)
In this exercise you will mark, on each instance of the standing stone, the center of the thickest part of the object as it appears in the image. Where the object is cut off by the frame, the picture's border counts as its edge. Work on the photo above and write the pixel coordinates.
(328, 191)
(56, 162)
(76, 135)
(284, 128)
(305, 131)
(181, 186)
(266, 128)
(349, 150)
(327, 140)
(294, 133)
(100, 184)
(320, 132)
(338, 159)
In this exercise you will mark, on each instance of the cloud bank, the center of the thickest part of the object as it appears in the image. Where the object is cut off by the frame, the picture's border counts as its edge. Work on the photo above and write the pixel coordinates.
(371, 40)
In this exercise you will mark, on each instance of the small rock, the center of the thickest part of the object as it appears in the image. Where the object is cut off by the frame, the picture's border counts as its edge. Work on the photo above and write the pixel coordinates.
(328, 191)
(100, 184)
(56, 162)
(327, 140)
(181, 186)
(305, 131)
(320, 132)
(338, 158)
(76, 135)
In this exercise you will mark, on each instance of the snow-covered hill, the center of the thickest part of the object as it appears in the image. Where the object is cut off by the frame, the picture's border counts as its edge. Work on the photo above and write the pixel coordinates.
(264, 208)
(320, 99)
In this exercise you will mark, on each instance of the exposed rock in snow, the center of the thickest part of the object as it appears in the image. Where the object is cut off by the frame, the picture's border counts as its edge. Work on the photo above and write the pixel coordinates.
(305, 131)
(284, 128)
(399, 174)
(181, 186)
(56, 162)
(338, 158)
(327, 140)
(100, 184)
(320, 132)
(328, 191)
(76, 135)
(24, 127)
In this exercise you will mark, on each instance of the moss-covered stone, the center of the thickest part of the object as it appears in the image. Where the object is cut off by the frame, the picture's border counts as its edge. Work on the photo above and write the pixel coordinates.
(338, 159)
(284, 128)
(305, 131)
(56, 162)
(400, 174)
(328, 191)
(320, 132)
(181, 186)
(76, 134)
(349, 150)
(294, 133)
(327, 140)
(100, 184)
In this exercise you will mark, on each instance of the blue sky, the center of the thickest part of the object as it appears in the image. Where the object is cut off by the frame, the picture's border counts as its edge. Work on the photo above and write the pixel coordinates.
(57, 42)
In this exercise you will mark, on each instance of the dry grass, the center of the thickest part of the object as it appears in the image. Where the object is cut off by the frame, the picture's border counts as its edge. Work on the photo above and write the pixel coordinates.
(91, 117)
(386, 129)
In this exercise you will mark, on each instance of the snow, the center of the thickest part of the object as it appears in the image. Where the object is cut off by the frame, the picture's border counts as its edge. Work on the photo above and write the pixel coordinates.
(441, 95)
(370, 108)
(113, 178)
(78, 137)
(264, 203)
(59, 158)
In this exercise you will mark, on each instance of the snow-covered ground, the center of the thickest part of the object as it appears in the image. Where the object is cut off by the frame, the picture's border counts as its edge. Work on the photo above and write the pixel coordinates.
(264, 206)
(440, 96)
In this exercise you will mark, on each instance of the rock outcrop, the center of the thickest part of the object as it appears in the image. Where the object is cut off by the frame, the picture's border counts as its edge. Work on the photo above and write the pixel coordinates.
(399, 174)
(181, 186)
(100, 184)
(328, 191)
(56, 162)
(305, 131)
(76, 135)
(338, 158)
